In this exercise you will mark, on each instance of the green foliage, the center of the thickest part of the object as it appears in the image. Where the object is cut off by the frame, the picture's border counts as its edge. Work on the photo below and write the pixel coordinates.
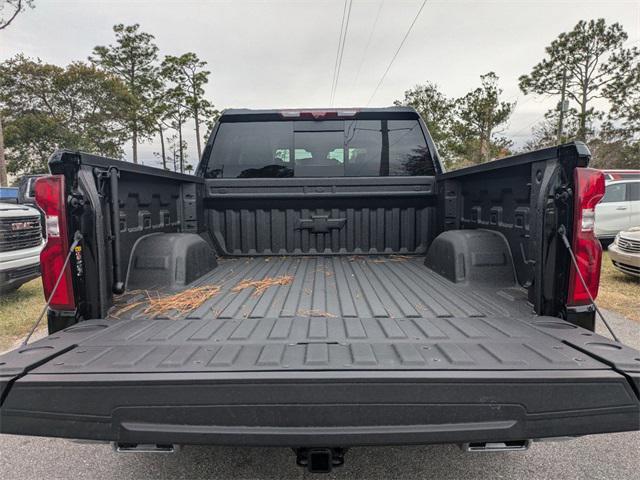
(624, 94)
(614, 153)
(479, 114)
(161, 113)
(593, 56)
(176, 149)
(437, 111)
(133, 59)
(30, 139)
(178, 113)
(188, 74)
(45, 107)
(124, 94)
(463, 129)
(610, 146)
(597, 66)
(545, 133)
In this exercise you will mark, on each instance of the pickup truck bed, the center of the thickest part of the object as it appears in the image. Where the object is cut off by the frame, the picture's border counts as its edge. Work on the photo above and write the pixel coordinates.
(414, 306)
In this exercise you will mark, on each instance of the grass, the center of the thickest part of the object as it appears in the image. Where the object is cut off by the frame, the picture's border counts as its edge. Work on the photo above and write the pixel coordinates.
(618, 292)
(19, 309)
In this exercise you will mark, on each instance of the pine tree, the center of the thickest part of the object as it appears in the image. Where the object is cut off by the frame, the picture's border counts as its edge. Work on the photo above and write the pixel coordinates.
(178, 113)
(437, 111)
(187, 71)
(133, 58)
(479, 114)
(591, 56)
(624, 94)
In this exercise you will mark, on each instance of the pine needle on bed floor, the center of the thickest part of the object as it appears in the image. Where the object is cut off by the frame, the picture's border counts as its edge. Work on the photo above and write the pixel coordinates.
(176, 304)
(182, 302)
(262, 285)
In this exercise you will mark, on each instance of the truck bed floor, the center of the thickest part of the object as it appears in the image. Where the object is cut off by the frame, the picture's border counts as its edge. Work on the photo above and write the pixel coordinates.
(337, 313)
(339, 287)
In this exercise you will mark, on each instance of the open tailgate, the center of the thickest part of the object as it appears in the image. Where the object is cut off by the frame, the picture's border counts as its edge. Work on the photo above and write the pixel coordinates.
(379, 381)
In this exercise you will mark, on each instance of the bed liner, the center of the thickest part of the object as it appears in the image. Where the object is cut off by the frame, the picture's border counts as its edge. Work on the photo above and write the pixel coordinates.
(392, 286)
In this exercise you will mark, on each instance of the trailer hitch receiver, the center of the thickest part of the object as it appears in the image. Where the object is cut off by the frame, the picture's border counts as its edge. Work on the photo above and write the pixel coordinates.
(320, 460)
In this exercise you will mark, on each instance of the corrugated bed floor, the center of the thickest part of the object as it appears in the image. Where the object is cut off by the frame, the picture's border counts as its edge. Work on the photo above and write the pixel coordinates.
(362, 313)
(316, 343)
(337, 287)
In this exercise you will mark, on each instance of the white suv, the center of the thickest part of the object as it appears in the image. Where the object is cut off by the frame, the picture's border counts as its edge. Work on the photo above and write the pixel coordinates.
(619, 209)
(20, 245)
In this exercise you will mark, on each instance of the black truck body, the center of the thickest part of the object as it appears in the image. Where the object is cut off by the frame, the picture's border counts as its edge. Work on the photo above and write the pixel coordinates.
(422, 306)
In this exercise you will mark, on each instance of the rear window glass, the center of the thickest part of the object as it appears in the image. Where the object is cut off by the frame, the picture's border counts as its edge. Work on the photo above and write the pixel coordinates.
(337, 148)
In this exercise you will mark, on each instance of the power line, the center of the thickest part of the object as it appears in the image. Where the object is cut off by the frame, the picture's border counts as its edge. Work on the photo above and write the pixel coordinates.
(335, 64)
(341, 45)
(344, 42)
(404, 39)
(366, 49)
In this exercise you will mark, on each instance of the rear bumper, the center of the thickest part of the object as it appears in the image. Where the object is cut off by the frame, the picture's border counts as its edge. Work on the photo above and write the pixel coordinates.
(321, 408)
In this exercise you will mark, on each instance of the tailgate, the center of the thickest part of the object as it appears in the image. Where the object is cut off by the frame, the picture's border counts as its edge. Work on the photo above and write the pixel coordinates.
(320, 381)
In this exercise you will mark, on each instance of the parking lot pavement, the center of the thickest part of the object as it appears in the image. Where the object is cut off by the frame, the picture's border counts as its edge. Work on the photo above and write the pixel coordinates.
(613, 456)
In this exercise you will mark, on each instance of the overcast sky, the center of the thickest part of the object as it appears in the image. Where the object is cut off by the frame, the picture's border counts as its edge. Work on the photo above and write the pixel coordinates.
(282, 53)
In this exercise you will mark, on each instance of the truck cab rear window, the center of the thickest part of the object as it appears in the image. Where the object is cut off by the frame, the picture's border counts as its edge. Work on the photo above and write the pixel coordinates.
(337, 148)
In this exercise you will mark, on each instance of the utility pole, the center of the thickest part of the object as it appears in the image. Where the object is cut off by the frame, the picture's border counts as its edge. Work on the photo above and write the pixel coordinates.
(4, 182)
(563, 105)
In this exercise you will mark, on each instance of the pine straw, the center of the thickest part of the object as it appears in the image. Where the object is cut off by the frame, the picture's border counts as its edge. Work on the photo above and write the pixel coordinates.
(177, 304)
(391, 258)
(399, 258)
(262, 285)
(315, 313)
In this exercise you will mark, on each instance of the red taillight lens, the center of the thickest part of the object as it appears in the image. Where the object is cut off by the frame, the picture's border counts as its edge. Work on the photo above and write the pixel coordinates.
(589, 189)
(50, 198)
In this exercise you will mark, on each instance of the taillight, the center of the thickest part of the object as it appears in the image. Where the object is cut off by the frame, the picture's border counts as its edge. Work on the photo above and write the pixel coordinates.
(50, 197)
(589, 189)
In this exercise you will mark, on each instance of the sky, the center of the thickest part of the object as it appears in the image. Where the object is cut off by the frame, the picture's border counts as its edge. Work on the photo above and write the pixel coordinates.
(282, 53)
